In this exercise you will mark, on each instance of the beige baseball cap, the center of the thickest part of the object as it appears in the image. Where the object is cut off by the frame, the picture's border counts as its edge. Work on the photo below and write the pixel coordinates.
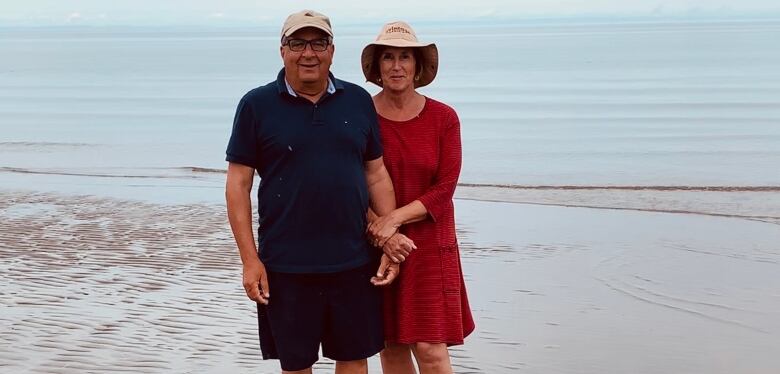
(306, 18)
(400, 34)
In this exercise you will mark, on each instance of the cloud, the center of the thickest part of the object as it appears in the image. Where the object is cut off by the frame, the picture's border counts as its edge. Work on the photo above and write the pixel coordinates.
(73, 17)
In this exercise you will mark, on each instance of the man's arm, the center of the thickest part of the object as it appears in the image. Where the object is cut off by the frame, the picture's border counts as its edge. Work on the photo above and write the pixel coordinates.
(380, 187)
(238, 189)
(382, 201)
(381, 194)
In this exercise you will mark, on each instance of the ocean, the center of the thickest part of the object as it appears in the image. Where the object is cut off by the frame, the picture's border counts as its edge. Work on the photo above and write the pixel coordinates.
(612, 104)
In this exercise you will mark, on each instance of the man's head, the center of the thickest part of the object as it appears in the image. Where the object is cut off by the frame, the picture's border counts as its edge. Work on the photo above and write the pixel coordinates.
(307, 48)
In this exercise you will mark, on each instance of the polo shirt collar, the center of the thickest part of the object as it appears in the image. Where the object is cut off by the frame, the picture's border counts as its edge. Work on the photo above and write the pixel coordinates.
(284, 86)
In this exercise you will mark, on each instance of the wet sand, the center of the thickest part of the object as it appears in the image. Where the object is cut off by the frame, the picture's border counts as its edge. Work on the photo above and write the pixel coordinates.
(95, 285)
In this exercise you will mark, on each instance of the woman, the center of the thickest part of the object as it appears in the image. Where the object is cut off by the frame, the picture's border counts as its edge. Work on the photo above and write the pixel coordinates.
(426, 309)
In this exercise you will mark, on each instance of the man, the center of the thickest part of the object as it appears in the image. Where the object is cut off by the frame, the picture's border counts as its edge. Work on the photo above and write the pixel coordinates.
(314, 142)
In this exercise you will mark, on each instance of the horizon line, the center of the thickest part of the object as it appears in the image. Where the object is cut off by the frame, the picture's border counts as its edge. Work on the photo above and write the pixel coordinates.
(472, 21)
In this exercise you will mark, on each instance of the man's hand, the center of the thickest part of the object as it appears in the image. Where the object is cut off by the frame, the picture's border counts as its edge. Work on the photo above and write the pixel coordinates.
(256, 282)
(387, 272)
(398, 247)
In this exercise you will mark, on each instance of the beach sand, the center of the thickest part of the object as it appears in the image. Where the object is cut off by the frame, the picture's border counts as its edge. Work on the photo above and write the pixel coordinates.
(107, 285)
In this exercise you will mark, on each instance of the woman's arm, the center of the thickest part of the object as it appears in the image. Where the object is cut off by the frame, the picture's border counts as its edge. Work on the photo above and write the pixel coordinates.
(439, 195)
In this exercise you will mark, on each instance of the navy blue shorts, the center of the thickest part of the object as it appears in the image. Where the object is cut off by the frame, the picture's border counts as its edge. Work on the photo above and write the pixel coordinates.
(342, 311)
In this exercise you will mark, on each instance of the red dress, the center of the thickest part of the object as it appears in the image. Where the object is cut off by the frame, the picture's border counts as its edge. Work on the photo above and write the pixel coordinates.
(427, 302)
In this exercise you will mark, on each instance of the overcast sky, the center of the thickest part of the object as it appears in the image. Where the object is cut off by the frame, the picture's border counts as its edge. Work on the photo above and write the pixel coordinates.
(243, 12)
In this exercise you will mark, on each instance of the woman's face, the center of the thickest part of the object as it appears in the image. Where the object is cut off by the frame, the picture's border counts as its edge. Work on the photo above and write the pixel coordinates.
(397, 68)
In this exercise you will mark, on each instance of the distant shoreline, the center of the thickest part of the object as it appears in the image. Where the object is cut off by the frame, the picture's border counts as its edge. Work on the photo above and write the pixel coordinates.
(196, 170)
(474, 22)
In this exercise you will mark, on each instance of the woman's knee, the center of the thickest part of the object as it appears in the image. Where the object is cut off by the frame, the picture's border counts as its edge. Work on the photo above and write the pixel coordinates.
(431, 353)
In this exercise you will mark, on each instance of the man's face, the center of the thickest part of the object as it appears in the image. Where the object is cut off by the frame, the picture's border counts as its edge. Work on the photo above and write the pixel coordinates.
(307, 66)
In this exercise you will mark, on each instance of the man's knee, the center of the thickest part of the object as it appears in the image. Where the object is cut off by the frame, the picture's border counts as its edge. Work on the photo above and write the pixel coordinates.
(304, 371)
(352, 367)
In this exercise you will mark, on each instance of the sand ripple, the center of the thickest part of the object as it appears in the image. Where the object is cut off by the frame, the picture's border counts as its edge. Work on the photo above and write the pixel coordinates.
(97, 285)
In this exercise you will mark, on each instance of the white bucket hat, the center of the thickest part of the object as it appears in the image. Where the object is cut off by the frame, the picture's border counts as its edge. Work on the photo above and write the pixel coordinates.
(400, 34)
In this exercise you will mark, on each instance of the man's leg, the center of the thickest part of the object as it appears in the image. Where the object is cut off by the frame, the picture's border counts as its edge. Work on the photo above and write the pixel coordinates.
(352, 367)
(295, 317)
(354, 330)
(397, 358)
(432, 358)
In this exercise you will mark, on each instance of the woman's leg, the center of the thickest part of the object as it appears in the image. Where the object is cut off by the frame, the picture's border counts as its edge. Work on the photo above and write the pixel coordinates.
(432, 358)
(397, 359)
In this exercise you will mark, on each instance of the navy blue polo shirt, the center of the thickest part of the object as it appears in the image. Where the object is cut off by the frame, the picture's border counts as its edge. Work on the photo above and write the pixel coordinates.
(312, 197)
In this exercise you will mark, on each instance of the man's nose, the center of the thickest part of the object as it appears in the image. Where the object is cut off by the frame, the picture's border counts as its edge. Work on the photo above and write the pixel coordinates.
(308, 50)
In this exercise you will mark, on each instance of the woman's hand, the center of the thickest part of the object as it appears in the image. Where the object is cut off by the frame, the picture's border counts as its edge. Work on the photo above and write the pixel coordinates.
(398, 247)
(381, 229)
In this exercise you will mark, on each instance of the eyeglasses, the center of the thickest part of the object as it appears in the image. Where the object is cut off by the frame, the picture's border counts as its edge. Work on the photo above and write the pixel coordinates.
(317, 45)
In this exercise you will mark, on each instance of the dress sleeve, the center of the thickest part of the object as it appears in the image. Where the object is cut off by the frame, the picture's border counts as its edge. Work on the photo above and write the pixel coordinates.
(438, 197)
(242, 146)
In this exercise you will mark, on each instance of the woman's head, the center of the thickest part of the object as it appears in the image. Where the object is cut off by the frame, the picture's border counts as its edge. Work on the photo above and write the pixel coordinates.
(397, 69)
(397, 55)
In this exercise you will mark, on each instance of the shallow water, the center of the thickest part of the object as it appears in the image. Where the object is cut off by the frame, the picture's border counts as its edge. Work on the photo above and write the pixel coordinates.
(96, 285)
